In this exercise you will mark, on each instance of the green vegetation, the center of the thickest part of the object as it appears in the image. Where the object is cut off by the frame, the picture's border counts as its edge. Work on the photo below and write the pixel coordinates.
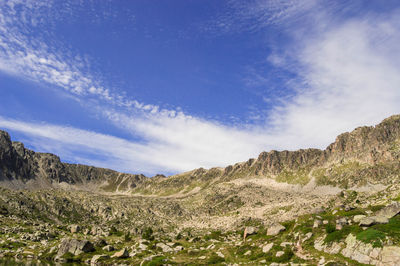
(148, 234)
(300, 176)
(371, 236)
(213, 235)
(215, 259)
(157, 261)
(339, 235)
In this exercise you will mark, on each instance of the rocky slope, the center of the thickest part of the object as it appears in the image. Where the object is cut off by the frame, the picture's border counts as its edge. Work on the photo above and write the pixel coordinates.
(23, 168)
(308, 206)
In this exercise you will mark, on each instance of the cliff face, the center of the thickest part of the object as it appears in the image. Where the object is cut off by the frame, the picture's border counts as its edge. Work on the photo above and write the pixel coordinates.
(365, 155)
(28, 169)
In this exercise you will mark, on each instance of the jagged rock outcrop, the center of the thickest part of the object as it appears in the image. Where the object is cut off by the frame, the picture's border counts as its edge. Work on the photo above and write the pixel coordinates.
(24, 168)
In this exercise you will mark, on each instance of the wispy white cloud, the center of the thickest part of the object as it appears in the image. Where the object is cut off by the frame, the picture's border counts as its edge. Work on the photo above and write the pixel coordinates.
(348, 75)
(255, 15)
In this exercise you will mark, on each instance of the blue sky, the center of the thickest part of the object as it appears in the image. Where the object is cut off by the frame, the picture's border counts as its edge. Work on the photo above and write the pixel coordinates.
(169, 86)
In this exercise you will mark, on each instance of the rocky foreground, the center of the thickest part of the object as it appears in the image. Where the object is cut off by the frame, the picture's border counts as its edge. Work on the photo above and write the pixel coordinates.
(338, 206)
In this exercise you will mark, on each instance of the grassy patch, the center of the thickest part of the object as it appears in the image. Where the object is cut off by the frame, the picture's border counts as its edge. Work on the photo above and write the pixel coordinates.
(215, 259)
(371, 236)
(157, 261)
(338, 235)
(300, 176)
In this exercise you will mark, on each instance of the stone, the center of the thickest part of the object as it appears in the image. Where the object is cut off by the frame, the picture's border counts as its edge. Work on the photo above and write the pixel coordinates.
(121, 254)
(275, 229)
(368, 221)
(307, 236)
(267, 247)
(219, 254)
(108, 248)
(142, 246)
(247, 253)
(390, 256)
(284, 244)
(249, 230)
(75, 228)
(358, 218)
(97, 258)
(279, 253)
(389, 211)
(164, 247)
(317, 223)
(212, 246)
(100, 243)
(178, 248)
(342, 221)
(202, 257)
(75, 247)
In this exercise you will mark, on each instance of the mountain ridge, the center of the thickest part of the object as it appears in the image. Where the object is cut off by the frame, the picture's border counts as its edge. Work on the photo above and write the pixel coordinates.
(373, 145)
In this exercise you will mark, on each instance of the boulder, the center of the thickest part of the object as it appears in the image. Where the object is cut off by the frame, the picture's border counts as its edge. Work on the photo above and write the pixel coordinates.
(108, 248)
(178, 248)
(219, 254)
(249, 230)
(275, 229)
(124, 253)
(97, 258)
(142, 246)
(358, 218)
(75, 228)
(279, 253)
(267, 247)
(75, 247)
(389, 211)
(164, 247)
(368, 221)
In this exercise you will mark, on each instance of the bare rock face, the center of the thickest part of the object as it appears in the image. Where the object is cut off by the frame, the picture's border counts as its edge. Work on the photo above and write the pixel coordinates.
(366, 253)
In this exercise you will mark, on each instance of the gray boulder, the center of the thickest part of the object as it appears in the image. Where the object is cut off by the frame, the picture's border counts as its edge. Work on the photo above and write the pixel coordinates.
(164, 247)
(275, 229)
(368, 221)
(75, 247)
(390, 210)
